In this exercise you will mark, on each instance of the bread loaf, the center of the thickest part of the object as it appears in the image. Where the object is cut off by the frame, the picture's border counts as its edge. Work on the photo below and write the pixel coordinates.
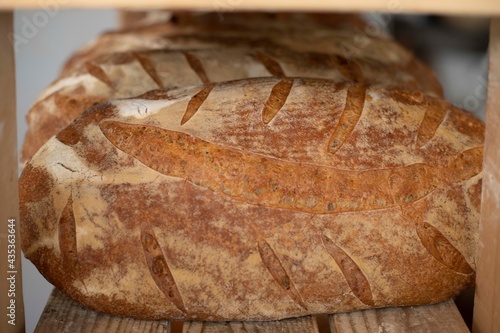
(257, 199)
(348, 43)
(128, 74)
(235, 27)
(131, 19)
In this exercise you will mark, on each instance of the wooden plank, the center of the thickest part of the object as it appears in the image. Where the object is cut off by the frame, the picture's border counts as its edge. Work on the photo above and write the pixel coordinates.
(440, 318)
(487, 298)
(61, 314)
(464, 7)
(11, 296)
(296, 325)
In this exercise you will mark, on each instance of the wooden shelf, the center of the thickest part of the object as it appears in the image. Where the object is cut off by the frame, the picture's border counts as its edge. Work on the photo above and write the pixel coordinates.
(464, 7)
(487, 301)
(63, 315)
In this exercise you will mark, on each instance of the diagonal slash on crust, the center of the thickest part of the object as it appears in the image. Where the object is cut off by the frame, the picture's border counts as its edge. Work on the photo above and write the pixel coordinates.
(158, 267)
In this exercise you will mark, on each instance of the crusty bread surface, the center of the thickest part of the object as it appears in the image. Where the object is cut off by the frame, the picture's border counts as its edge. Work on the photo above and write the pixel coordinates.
(257, 199)
(128, 74)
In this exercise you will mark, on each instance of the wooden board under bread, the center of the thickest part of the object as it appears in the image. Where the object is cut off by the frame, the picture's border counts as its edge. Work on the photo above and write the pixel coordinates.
(478, 7)
(63, 315)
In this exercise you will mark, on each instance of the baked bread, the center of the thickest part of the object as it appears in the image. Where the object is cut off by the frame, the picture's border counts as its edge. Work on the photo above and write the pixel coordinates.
(257, 199)
(350, 42)
(128, 74)
(134, 19)
(237, 27)
(123, 63)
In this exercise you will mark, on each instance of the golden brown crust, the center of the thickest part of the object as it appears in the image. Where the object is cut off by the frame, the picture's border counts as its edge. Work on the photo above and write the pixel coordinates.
(228, 215)
(130, 74)
(216, 47)
(137, 19)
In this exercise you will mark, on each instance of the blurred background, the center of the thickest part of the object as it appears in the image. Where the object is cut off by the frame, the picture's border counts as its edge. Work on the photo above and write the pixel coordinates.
(455, 47)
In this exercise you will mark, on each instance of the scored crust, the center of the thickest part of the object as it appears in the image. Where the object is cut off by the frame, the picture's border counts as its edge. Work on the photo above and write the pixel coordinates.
(128, 74)
(257, 199)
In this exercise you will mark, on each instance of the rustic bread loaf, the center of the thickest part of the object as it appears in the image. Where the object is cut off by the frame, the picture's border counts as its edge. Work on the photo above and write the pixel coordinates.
(133, 19)
(257, 199)
(128, 74)
(237, 27)
(349, 43)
